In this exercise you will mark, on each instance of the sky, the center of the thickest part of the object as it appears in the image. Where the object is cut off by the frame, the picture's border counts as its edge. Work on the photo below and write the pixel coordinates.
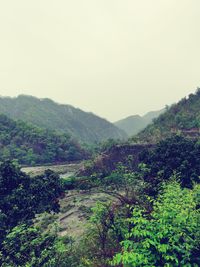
(115, 58)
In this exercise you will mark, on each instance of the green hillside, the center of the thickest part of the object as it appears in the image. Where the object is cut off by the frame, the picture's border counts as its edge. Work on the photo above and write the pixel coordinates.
(181, 118)
(145, 210)
(33, 145)
(134, 124)
(84, 126)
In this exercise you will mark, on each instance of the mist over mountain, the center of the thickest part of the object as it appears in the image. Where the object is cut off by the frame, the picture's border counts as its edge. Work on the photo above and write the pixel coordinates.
(134, 124)
(85, 126)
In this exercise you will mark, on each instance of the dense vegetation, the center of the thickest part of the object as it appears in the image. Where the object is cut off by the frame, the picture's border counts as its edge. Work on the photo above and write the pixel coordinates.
(154, 218)
(150, 217)
(132, 230)
(31, 145)
(180, 117)
(173, 155)
(45, 113)
(22, 198)
(169, 236)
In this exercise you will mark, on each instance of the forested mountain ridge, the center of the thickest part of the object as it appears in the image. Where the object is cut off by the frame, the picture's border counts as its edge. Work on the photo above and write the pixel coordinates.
(134, 124)
(46, 113)
(181, 118)
(135, 209)
(32, 145)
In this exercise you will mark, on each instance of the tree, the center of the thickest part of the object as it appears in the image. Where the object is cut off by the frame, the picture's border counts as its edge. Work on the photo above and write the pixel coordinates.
(27, 246)
(22, 197)
(124, 185)
(175, 154)
(169, 236)
(32, 145)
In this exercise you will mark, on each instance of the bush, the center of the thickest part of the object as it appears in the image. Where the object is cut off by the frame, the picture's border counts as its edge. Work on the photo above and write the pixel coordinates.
(169, 236)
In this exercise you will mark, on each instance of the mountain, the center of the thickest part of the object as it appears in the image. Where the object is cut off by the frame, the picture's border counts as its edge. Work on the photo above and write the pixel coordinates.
(181, 118)
(134, 124)
(32, 145)
(84, 126)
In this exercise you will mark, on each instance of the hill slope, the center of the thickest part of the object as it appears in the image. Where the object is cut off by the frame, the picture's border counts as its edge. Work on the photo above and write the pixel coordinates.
(84, 126)
(134, 124)
(32, 145)
(182, 118)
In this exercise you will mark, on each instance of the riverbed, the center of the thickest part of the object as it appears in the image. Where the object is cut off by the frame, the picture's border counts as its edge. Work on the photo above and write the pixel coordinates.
(65, 170)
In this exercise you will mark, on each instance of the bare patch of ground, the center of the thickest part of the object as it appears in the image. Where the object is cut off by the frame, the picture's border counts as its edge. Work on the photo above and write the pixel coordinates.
(73, 222)
(74, 213)
(75, 206)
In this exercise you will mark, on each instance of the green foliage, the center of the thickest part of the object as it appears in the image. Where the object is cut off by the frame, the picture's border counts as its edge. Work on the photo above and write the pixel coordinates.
(106, 230)
(169, 236)
(108, 144)
(175, 154)
(184, 115)
(79, 183)
(31, 145)
(27, 246)
(22, 197)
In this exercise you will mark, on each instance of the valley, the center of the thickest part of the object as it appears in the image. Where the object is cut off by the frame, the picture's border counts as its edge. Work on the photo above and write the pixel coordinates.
(81, 204)
(99, 133)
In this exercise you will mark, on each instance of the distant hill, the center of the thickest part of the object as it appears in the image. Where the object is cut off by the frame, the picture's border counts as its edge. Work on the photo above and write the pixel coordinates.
(84, 126)
(181, 118)
(32, 145)
(134, 124)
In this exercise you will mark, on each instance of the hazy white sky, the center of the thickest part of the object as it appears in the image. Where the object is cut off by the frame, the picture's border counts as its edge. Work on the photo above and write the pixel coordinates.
(112, 57)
